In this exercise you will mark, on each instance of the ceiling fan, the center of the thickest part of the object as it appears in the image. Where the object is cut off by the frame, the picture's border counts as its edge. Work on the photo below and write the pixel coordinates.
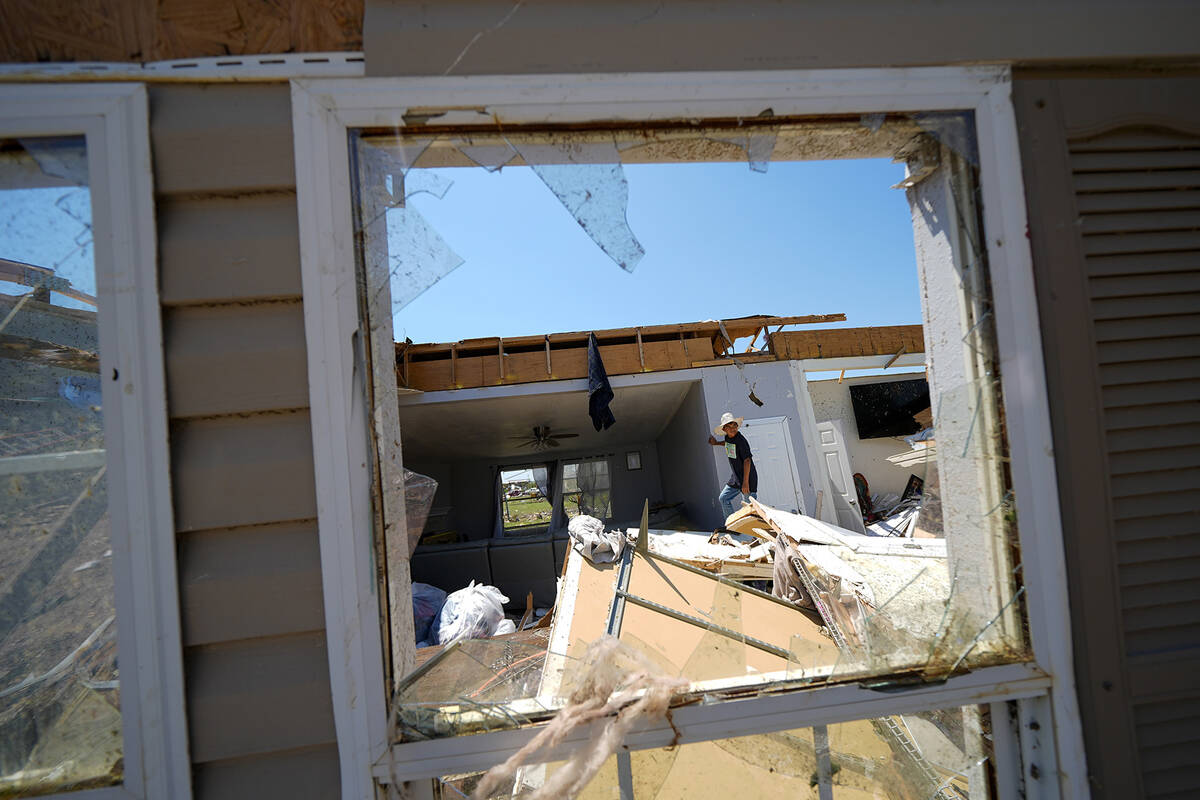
(542, 438)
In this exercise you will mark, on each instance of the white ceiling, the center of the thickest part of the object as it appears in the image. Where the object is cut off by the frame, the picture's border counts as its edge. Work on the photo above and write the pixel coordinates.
(493, 427)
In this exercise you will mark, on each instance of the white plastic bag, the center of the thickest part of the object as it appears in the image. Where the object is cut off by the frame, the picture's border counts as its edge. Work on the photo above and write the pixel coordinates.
(470, 613)
(427, 602)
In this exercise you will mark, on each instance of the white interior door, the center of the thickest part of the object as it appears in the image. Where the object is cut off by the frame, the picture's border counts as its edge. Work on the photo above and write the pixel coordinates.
(774, 459)
(832, 438)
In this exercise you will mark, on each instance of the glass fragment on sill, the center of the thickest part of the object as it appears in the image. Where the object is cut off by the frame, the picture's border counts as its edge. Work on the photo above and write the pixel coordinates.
(758, 144)
(60, 718)
(954, 129)
(927, 755)
(492, 157)
(591, 185)
(471, 685)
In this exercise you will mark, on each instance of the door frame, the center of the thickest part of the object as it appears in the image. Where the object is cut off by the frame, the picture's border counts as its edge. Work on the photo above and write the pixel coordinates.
(791, 452)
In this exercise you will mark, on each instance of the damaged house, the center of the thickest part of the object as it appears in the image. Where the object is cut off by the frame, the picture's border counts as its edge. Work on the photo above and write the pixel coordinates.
(208, 561)
(475, 439)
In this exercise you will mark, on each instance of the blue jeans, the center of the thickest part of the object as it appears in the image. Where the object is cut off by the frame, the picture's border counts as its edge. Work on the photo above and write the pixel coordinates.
(726, 498)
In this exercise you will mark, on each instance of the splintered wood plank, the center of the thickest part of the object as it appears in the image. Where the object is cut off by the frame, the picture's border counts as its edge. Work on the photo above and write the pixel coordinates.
(738, 328)
(845, 342)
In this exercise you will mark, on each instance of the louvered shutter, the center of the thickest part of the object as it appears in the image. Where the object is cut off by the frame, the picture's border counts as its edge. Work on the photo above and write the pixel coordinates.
(1112, 174)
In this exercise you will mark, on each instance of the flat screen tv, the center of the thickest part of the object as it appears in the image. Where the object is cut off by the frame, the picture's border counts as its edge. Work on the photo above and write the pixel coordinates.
(890, 409)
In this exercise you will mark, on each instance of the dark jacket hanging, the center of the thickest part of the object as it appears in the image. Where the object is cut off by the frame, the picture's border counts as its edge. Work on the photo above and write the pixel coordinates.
(600, 393)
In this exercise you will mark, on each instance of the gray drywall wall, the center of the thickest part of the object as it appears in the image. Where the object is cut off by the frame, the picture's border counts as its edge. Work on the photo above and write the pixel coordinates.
(688, 474)
(728, 389)
(465, 37)
(632, 488)
(440, 471)
(831, 400)
(474, 500)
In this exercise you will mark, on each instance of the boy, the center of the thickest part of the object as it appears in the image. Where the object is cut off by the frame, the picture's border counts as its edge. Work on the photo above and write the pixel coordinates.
(744, 480)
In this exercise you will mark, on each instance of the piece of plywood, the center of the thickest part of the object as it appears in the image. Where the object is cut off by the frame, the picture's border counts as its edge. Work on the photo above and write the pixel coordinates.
(847, 342)
(680, 647)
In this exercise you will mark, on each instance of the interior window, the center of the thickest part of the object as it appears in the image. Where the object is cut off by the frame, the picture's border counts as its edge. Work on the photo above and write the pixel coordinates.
(526, 497)
(586, 489)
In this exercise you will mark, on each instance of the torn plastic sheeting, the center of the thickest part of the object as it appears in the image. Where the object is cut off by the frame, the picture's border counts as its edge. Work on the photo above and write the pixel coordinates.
(471, 613)
(419, 491)
(593, 542)
(590, 183)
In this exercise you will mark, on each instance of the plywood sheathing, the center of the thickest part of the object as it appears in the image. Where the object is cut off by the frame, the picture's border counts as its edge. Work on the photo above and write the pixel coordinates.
(473, 363)
(150, 30)
(846, 342)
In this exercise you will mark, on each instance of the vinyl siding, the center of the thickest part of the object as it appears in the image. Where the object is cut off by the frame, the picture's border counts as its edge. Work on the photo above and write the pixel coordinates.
(256, 669)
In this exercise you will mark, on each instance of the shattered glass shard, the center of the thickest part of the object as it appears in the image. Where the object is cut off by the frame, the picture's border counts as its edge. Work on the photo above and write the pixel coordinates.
(418, 256)
(591, 185)
(597, 195)
(491, 157)
(757, 143)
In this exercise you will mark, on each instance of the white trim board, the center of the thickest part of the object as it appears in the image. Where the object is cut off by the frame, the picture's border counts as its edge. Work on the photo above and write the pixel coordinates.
(767, 713)
(114, 119)
(323, 112)
(276, 68)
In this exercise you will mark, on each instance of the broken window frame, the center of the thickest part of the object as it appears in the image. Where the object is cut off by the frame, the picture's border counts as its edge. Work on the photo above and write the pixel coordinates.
(325, 112)
(114, 120)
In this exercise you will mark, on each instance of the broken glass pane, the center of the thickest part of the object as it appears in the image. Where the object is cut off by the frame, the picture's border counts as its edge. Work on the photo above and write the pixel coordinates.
(928, 755)
(591, 185)
(911, 579)
(60, 718)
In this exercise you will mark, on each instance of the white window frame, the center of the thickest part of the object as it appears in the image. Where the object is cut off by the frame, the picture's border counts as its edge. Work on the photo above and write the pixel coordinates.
(323, 113)
(115, 122)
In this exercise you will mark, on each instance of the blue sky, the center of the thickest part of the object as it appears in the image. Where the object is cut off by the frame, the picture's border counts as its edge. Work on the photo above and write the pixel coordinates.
(49, 227)
(721, 241)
